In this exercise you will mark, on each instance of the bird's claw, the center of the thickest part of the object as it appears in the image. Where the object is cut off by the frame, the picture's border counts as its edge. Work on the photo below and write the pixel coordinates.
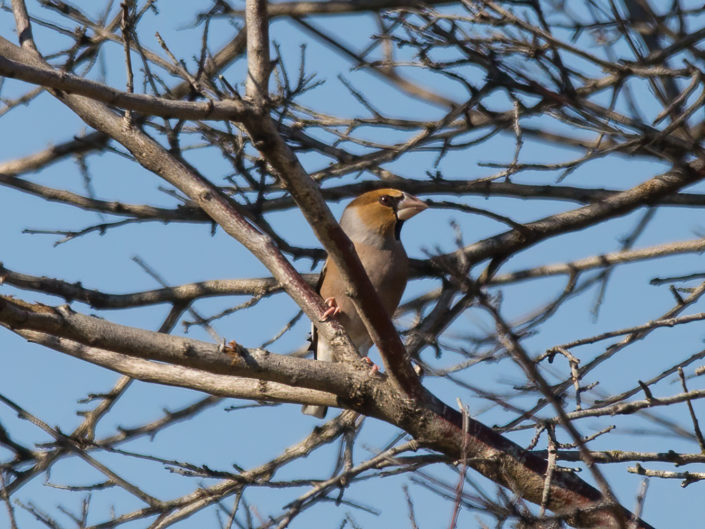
(374, 368)
(332, 310)
(232, 349)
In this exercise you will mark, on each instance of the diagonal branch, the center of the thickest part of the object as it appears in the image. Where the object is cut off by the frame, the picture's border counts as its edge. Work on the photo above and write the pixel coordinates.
(621, 203)
(240, 361)
(304, 190)
(220, 208)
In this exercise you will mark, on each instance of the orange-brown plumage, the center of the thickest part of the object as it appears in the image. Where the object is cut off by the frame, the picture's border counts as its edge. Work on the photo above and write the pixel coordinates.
(372, 222)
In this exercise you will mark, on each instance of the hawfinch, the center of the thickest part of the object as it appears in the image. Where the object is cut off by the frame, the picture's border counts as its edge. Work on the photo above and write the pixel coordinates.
(373, 223)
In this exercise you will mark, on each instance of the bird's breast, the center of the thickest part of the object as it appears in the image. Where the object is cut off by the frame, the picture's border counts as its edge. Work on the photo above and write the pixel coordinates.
(387, 269)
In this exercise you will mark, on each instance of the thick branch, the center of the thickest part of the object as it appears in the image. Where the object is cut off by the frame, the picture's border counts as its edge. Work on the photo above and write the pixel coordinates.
(249, 363)
(181, 376)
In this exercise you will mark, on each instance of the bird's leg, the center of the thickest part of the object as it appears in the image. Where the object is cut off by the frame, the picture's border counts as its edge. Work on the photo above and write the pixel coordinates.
(332, 310)
(374, 368)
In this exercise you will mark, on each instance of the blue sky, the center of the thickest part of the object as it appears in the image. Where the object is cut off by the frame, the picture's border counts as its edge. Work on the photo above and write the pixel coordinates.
(49, 384)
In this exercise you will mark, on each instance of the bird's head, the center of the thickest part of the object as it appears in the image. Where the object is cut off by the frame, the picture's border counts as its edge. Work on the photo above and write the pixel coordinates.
(379, 214)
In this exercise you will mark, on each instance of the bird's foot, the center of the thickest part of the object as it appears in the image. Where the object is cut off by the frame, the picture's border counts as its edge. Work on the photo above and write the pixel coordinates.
(374, 368)
(332, 310)
(232, 349)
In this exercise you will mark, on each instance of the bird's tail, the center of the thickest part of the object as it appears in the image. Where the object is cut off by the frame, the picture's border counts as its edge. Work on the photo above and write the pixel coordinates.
(316, 411)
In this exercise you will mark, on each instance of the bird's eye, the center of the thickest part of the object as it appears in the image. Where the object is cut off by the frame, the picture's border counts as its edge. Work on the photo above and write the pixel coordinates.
(385, 200)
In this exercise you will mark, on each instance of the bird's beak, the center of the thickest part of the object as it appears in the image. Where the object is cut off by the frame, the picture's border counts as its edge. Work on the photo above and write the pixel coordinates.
(409, 206)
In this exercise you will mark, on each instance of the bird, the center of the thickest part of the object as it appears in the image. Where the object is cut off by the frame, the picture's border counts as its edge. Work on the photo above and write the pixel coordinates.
(373, 223)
